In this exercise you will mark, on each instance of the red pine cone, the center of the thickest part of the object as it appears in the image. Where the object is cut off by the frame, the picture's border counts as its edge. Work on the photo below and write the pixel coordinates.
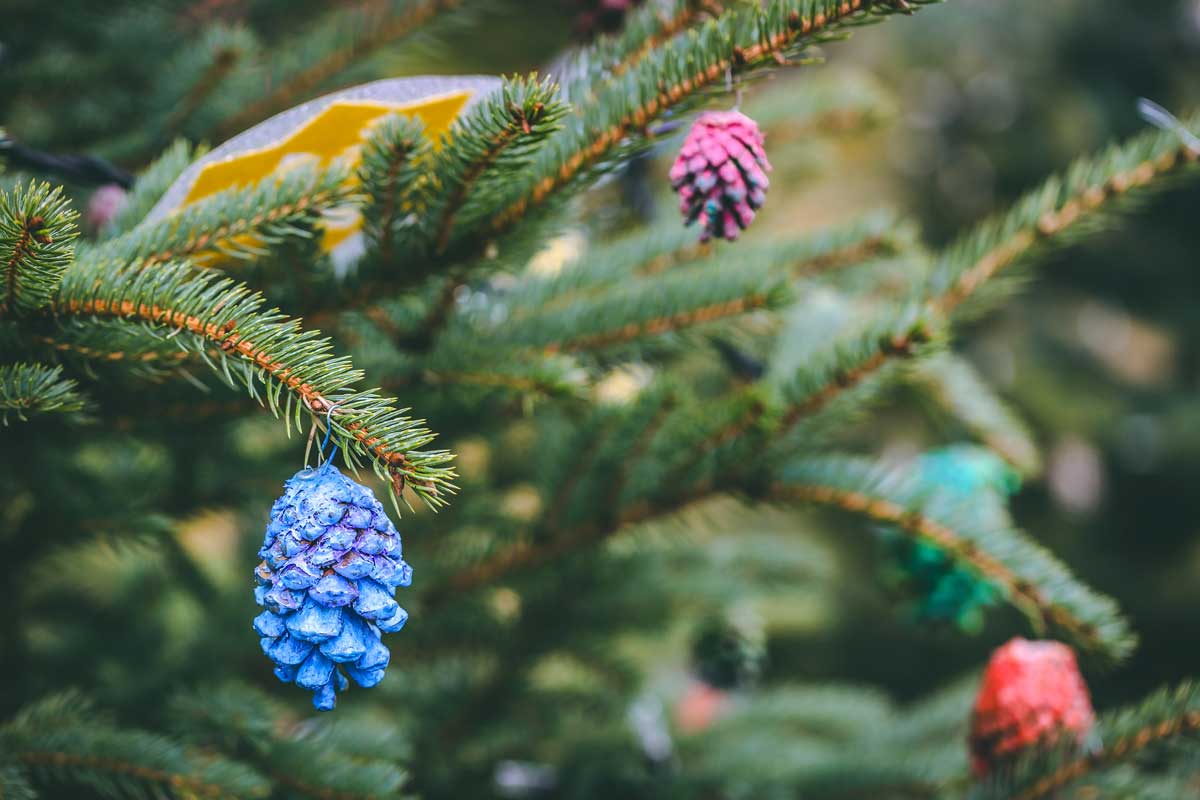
(720, 173)
(1032, 694)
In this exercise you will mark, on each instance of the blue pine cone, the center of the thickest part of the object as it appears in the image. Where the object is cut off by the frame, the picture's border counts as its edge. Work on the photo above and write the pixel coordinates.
(331, 565)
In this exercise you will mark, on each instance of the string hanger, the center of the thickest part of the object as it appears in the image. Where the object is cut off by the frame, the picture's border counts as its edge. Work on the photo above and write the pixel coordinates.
(324, 442)
(1159, 117)
(729, 84)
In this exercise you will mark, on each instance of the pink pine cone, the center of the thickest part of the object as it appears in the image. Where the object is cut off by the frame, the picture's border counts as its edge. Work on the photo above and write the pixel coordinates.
(721, 174)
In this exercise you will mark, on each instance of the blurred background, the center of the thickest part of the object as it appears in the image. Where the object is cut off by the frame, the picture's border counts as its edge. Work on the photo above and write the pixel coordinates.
(961, 110)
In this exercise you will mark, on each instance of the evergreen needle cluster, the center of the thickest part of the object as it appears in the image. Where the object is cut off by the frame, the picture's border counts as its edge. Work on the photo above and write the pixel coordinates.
(612, 400)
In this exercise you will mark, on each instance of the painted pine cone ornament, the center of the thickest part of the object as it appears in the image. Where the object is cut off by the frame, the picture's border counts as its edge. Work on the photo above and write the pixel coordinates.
(721, 174)
(1032, 695)
(331, 565)
(945, 591)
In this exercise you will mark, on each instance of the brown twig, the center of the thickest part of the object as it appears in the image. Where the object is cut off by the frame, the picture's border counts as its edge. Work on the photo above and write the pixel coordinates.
(901, 346)
(111, 355)
(32, 230)
(661, 325)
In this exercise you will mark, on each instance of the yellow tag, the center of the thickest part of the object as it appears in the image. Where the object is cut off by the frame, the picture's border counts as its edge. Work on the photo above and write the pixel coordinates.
(325, 129)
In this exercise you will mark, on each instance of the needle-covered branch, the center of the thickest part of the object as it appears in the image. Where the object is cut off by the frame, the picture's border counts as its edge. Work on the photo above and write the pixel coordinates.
(235, 224)
(258, 346)
(977, 534)
(956, 387)
(1167, 724)
(37, 243)
(483, 151)
(744, 39)
(392, 175)
(841, 380)
(969, 267)
(151, 185)
(29, 389)
(1061, 210)
(669, 246)
(348, 759)
(61, 743)
(649, 306)
(646, 29)
(199, 73)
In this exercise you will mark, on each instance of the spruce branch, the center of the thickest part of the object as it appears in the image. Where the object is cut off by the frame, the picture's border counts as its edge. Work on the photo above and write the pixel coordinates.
(740, 40)
(647, 30)
(364, 31)
(151, 184)
(851, 371)
(28, 389)
(477, 368)
(14, 785)
(741, 417)
(955, 386)
(669, 323)
(1063, 206)
(874, 235)
(127, 775)
(529, 555)
(670, 246)
(316, 761)
(528, 379)
(1165, 718)
(967, 266)
(978, 534)
(392, 169)
(37, 243)
(140, 354)
(234, 224)
(483, 150)
(272, 350)
(583, 456)
(656, 249)
(61, 745)
(620, 468)
(649, 306)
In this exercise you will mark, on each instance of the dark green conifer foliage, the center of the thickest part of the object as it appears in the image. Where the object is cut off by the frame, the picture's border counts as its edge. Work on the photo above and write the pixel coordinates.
(625, 435)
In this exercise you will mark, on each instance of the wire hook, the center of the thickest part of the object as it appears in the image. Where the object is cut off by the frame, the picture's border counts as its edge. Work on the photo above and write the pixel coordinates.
(729, 85)
(324, 443)
(1159, 117)
(329, 434)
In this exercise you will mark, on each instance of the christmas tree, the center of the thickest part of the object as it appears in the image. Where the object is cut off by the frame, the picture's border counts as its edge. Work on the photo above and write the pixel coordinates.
(584, 497)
